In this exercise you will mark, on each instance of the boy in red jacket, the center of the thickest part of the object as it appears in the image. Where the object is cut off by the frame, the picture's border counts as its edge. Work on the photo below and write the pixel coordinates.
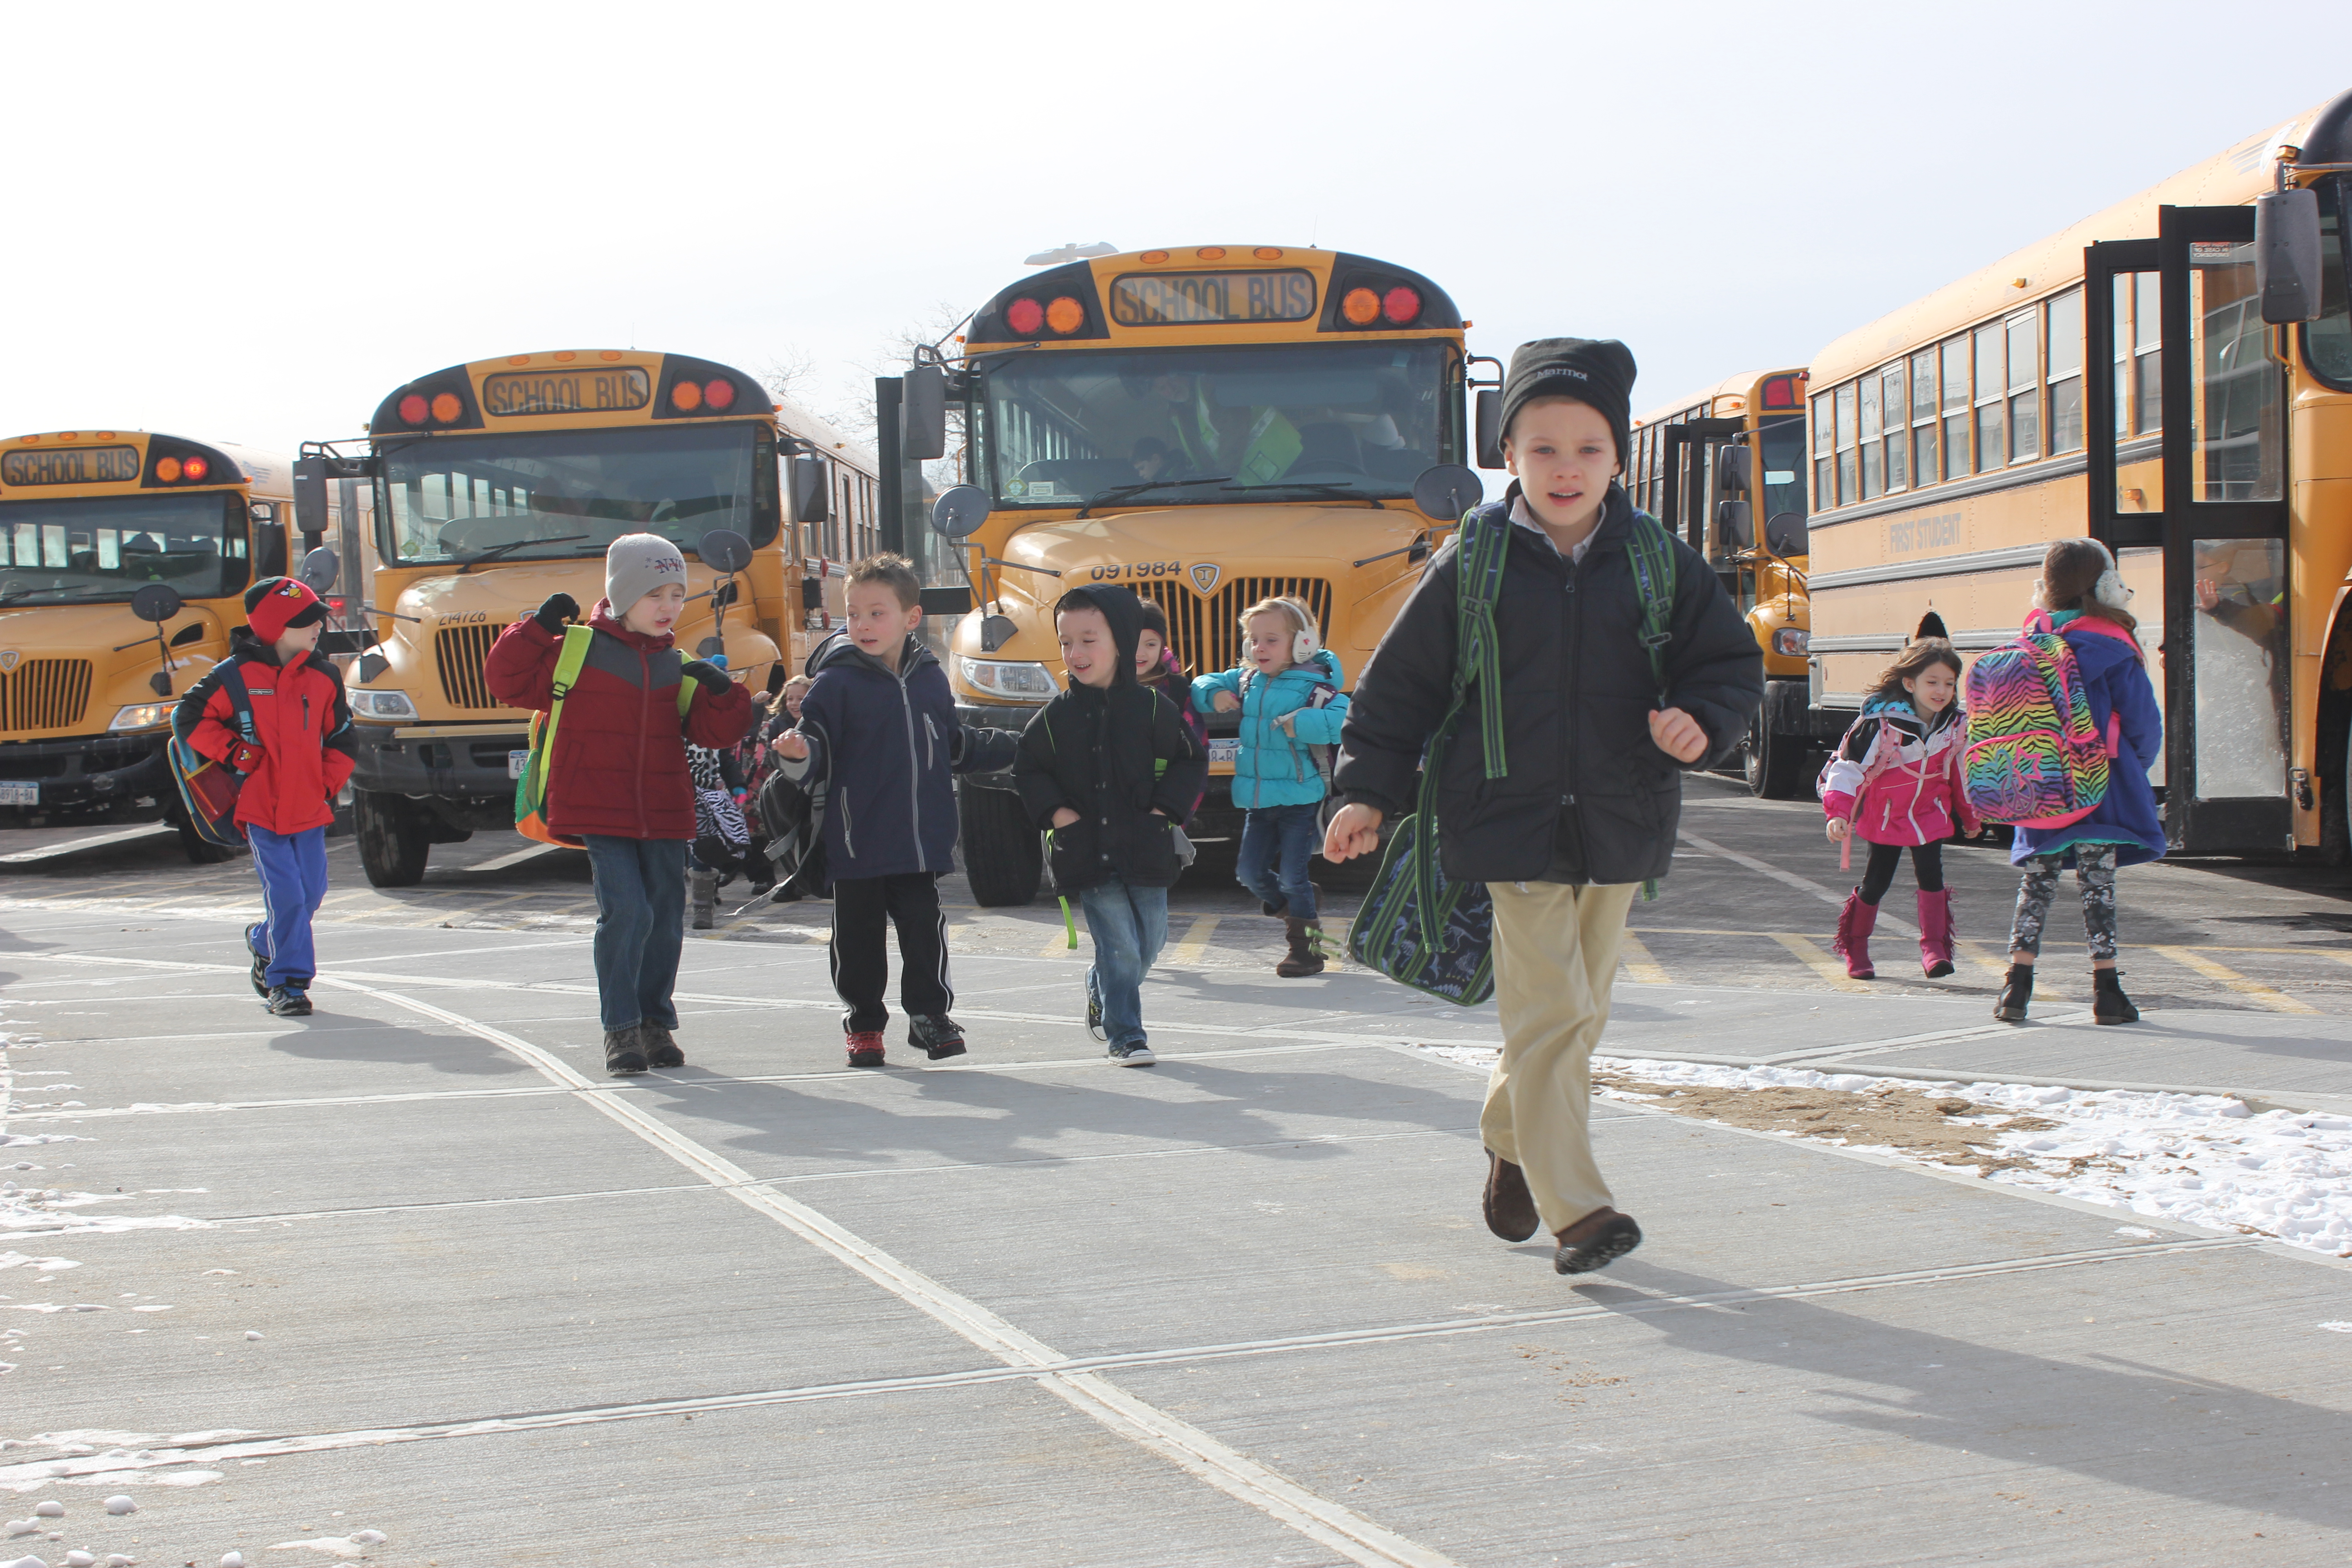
(294, 764)
(618, 780)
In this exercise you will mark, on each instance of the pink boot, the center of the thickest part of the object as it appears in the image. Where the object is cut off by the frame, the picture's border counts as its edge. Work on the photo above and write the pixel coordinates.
(1853, 943)
(1935, 932)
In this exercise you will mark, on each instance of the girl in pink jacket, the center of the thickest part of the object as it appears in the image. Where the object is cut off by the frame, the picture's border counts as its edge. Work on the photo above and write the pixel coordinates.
(1894, 780)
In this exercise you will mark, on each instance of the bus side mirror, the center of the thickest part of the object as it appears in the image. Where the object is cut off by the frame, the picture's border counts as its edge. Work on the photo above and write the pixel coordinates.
(923, 413)
(1443, 492)
(1734, 526)
(2287, 256)
(811, 490)
(960, 512)
(268, 548)
(1785, 532)
(318, 570)
(310, 497)
(1489, 424)
(955, 601)
(1734, 466)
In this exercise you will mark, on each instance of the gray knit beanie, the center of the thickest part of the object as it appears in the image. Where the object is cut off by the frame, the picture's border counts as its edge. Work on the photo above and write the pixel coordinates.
(636, 565)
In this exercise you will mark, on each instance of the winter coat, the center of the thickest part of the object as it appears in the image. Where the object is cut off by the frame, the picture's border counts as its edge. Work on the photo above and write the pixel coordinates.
(1896, 776)
(300, 721)
(1588, 796)
(2115, 681)
(887, 741)
(1124, 759)
(1277, 767)
(619, 766)
(1170, 682)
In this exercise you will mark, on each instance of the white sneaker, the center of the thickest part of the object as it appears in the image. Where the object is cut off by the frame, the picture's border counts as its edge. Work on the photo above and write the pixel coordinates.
(1137, 1055)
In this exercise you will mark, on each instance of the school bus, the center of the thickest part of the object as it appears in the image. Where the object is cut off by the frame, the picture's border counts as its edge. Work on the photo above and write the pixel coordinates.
(2131, 378)
(496, 483)
(1712, 467)
(1209, 425)
(124, 556)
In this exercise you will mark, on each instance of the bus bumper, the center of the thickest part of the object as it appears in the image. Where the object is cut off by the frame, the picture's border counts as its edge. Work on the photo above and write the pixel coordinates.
(122, 777)
(463, 778)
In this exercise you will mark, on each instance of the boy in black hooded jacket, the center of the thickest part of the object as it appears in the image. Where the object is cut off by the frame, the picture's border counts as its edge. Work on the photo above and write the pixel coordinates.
(1110, 770)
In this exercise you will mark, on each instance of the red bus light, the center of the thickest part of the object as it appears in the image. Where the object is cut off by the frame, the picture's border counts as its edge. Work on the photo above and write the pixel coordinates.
(686, 396)
(411, 408)
(1361, 307)
(194, 468)
(1024, 316)
(718, 393)
(445, 408)
(1780, 392)
(1065, 315)
(1401, 306)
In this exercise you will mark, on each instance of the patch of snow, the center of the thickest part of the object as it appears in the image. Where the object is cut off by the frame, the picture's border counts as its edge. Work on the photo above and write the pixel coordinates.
(120, 1504)
(2338, 1327)
(39, 1265)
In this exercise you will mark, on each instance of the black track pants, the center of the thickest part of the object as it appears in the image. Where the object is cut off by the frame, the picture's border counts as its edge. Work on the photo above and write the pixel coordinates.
(864, 910)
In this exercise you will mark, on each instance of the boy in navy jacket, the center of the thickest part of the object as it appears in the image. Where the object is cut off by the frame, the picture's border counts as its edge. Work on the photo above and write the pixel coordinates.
(880, 725)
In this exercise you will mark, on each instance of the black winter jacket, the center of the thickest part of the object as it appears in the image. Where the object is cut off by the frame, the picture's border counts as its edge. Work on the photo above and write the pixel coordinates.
(1098, 752)
(1589, 797)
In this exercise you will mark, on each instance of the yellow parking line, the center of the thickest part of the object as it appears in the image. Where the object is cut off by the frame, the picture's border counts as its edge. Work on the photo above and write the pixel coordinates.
(1640, 967)
(1826, 965)
(2276, 1001)
(1196, 942)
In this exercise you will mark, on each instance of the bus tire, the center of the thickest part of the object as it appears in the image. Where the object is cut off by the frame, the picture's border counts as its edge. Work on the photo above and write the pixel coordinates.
(1003, 860)
(395, 837)
(1774, 763)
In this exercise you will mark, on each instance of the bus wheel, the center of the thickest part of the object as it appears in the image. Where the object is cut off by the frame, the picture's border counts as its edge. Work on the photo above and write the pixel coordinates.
(1774, 763)
(1002, 857)
(394, 837)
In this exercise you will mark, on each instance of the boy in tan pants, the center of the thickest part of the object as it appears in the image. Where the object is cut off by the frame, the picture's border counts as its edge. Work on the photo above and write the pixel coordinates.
(1594, 736)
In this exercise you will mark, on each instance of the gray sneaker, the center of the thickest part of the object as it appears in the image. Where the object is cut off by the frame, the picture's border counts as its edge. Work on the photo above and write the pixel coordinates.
(1137, 1055)
(1094, 1020)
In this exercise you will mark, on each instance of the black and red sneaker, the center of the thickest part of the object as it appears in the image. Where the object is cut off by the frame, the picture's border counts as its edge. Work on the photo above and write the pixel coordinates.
(939, 1037)
(865, 1048)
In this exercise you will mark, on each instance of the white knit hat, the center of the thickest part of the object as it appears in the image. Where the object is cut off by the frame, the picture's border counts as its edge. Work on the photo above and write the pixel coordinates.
(636, 565)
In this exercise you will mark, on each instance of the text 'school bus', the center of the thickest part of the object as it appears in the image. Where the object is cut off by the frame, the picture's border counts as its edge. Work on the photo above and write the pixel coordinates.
(123, 561)
(1209, 427)
(1724, 467)
(499, 482)
(2172, 377)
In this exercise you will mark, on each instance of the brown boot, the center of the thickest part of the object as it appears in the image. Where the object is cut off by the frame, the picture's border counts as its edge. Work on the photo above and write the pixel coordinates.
(1597, 1240)
(1510, 1208)
(1305, 954)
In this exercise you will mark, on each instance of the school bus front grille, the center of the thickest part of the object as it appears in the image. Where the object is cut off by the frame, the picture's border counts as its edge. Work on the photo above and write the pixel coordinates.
(1206, 628)
(460, 651)
(44, 694)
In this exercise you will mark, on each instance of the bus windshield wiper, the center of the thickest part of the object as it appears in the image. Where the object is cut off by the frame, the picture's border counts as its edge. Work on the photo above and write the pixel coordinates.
(1308, 487)
(16, 591)
(497, 551)
(1121, 493)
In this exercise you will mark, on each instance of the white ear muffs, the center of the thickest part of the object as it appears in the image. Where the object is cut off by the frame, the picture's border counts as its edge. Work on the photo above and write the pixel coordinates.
(1305, 645)
(2110, 591)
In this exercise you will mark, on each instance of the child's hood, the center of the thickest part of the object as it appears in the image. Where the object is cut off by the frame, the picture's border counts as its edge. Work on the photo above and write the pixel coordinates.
(1124, 611)
(245, 644)
(838, 652)
(2097, 650)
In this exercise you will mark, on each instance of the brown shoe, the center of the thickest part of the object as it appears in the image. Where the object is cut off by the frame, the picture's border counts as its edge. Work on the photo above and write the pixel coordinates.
(1510, 1207)
(1597, 1240)
(1305, 954)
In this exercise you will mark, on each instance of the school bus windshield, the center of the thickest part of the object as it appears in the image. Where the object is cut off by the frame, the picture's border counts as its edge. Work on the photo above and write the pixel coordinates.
(100, 549)
(1209, 425)
(1783, 441)
(563, 495)
(2328, 340)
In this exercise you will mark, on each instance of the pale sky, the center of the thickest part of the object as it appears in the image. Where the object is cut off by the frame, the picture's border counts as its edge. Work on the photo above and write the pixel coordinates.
(248, 222)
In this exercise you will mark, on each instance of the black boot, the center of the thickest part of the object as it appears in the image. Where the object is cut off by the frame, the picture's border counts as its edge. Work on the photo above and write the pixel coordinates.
(2015, 992)
(2108, 1003)
(625, 1051)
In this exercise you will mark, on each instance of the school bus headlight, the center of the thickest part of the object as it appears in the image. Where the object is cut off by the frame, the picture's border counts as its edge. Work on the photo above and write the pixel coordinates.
(381, 705)
(1006, 677)
(142, 716)
(1791, 642)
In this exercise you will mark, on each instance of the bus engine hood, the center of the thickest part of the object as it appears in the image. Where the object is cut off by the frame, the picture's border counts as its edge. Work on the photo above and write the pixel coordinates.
(70, 678)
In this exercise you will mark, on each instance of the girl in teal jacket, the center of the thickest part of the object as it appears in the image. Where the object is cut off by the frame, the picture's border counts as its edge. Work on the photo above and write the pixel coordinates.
(1287, 693)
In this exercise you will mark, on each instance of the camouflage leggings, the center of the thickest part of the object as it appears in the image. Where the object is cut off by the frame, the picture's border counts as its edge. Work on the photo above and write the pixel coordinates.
(2095, 872)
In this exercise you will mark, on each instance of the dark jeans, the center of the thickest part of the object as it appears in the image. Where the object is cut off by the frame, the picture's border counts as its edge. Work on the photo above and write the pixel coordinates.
(1278, 844)
(865, 909)
(1886, 859)
(640, 926)
(1129, 925)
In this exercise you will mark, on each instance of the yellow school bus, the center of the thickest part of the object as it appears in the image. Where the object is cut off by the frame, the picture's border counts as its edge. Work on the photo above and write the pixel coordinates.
(1209, 425)
(499, 482)
(124, 557)
(2130, 378)
(1724, 467)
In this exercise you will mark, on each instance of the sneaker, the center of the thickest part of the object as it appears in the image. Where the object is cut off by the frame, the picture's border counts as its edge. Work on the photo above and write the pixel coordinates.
(1137, 1055)
(289, 1002)
(1094, 1019)
(260, 963)
(661, 1049)
(939, 1037)
(865, 1048)
(625, 1051)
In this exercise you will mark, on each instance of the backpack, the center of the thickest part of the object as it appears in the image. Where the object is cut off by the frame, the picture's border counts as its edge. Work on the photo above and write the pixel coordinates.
(530, 785)
(209, 790)
(2034, 758)
(792, 817)
(1418, 928)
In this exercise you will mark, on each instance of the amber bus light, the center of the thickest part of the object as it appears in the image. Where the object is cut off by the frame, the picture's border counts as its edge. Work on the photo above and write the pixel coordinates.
(168, 471)
(1361, 307)
(686, 396)
(1065, 315)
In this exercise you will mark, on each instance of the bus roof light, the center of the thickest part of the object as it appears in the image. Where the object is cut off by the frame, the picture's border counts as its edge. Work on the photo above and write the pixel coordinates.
(412, 408)
(445, 408)
(194, 468)
(1065, 315)
(168, 471)
(718, 393)
(1024, 316)
(1401, 306)
(686, 396)
(1361, 307)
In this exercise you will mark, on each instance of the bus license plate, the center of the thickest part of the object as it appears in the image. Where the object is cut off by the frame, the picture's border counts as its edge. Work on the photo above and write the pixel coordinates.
(13, 794)
(1227, 752)
(516, 761)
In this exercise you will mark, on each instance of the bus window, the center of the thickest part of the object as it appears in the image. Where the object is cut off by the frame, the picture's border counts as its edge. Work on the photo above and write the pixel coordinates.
(2238, 638)
(1957, 447)
(1991, 396)
(1923, 469)
(2238, 439)
(1783, 443)
(2066, 361)
(2025, 387)
(2327, 341)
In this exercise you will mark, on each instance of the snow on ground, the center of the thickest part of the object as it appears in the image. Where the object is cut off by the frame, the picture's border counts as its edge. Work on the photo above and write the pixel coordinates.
(2196, 1159)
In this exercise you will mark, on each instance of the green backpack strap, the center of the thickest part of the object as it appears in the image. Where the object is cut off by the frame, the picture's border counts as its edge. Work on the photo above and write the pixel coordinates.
(567, 665)
(1477, 660)
(1653, 555)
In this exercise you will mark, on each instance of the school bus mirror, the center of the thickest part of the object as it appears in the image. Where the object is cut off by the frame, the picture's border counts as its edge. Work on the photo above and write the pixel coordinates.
(724, 550)
(1446, 491)
(156, 602)
(1489, 423)
(269, 549)
(310, 496)
(320, 569)
(949, 601)
(2287, 256)
(1735, 466)
(1735, 527)
(1785, 532)
(811, 490)
(960, 512)
(923, 413)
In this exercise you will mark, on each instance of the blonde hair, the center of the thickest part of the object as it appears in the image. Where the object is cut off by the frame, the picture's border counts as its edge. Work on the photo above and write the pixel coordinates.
(803, 681)
(1293, 611)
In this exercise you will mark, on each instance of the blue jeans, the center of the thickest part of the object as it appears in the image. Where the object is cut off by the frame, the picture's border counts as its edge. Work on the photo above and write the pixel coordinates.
(1278, 844)
(1128, 925)
(640, 926)
(293, 871)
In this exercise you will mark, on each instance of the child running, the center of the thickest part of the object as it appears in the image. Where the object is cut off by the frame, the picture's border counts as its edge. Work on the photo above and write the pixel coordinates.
(298, 758)
(1287, 693)
(1895, 782)
(879, 720)
(618, 780)
(1110, 770)
(2085, 598)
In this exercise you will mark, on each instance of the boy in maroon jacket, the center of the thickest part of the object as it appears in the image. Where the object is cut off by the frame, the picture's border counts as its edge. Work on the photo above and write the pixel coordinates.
(617, 779)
